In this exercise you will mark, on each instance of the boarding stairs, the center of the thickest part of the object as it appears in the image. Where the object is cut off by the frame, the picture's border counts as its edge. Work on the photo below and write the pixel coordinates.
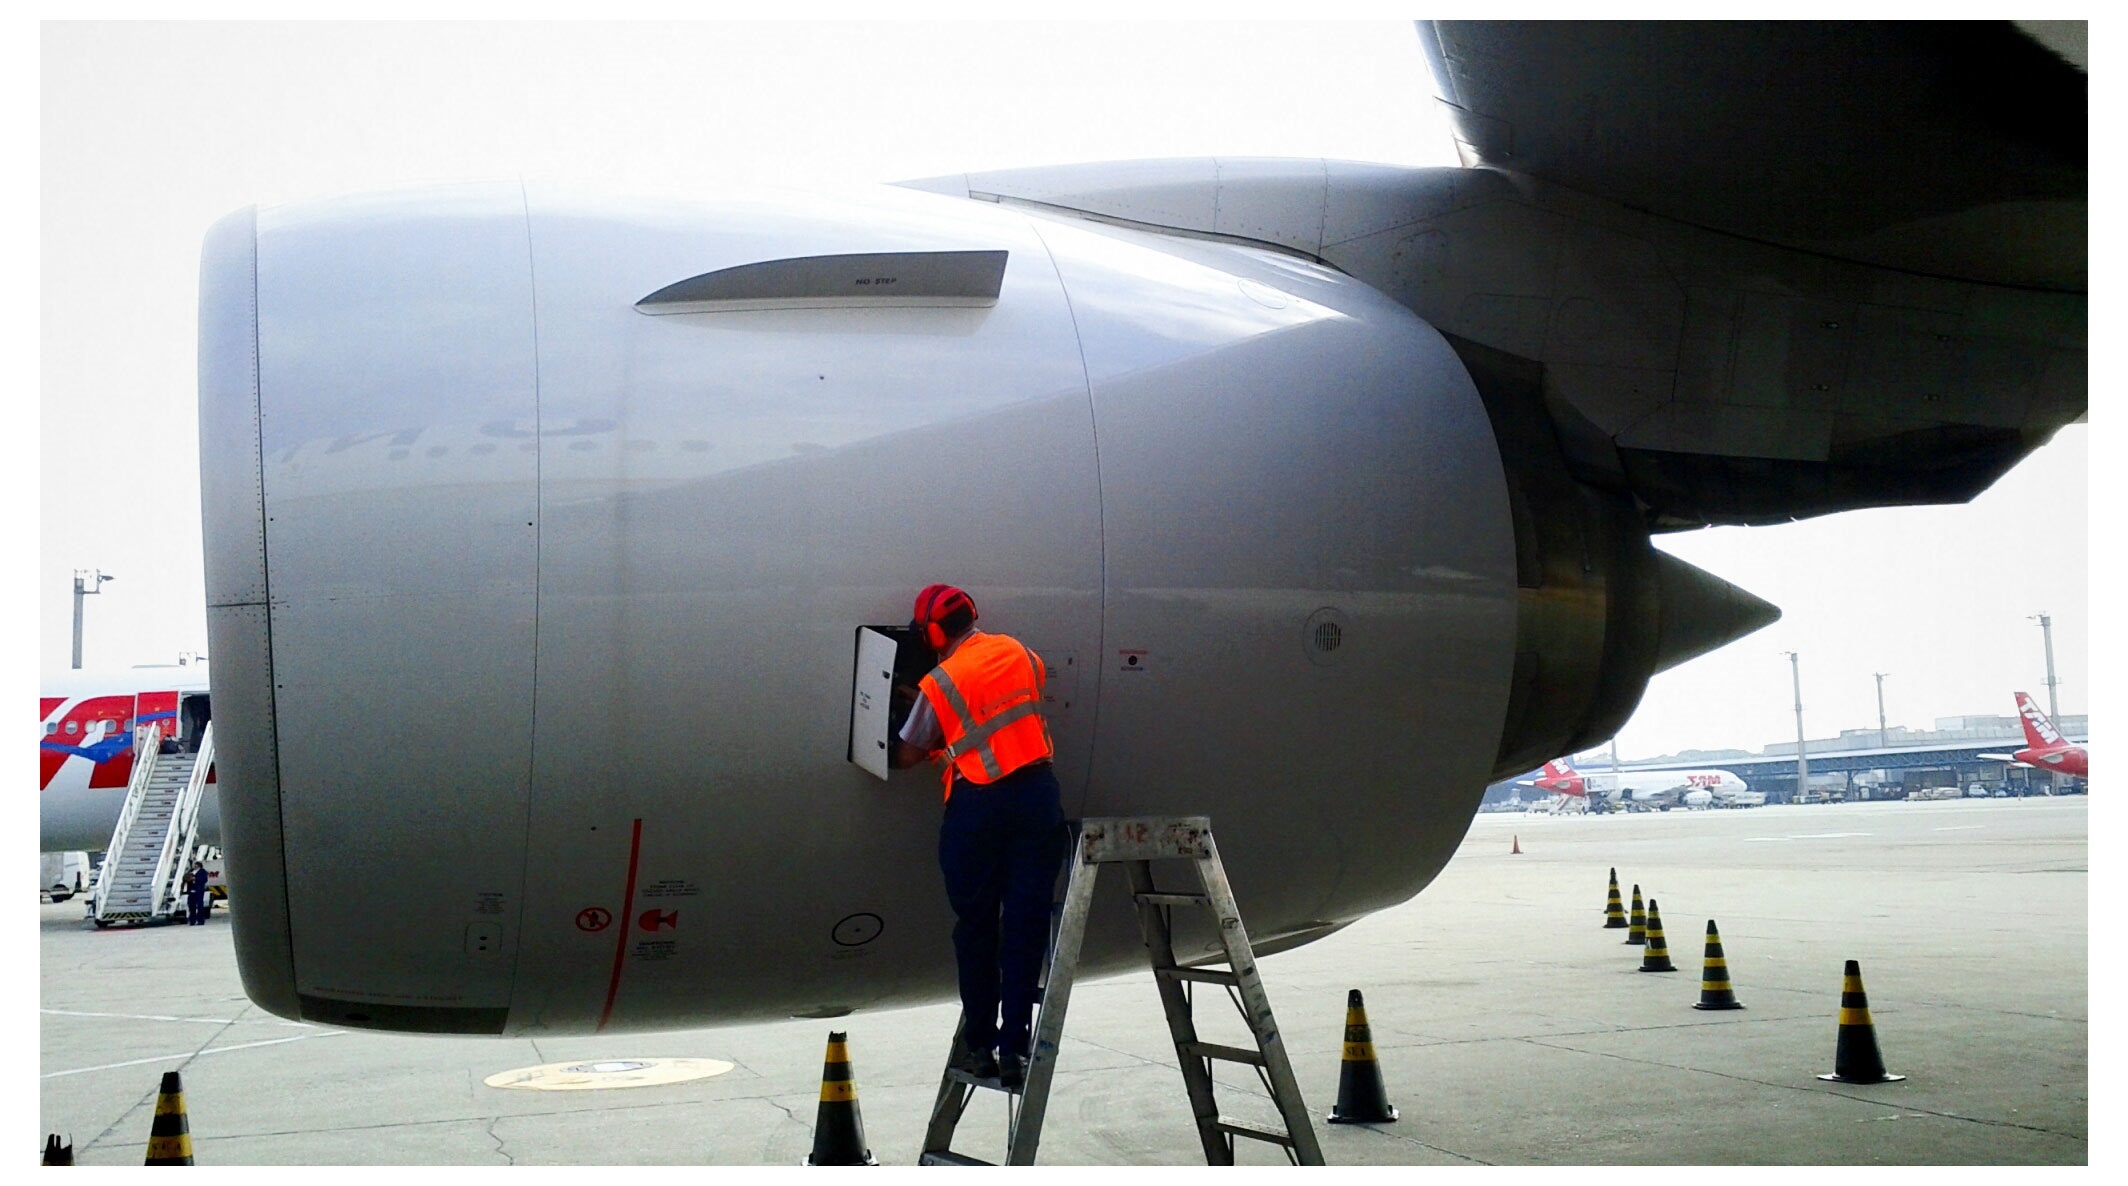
(142, 876)
(1137, 844)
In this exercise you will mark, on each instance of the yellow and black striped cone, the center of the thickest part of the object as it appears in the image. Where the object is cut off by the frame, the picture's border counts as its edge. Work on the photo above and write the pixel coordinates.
(1360, 1097)
(1856, 1060)
(1639, 934)
(170, 1140)
(56, 1153)
(1714, 990)
(1657, 957)
(838, 1128)
(1614, 911)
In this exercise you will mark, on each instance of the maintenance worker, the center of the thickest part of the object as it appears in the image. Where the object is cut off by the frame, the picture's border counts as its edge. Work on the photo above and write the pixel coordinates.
(1002, 838)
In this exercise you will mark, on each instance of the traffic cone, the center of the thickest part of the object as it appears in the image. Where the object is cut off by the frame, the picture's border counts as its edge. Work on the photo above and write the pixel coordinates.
(170, 1139)
(838, 1128)
(1614, 912)
(1360, 1097)
(1517, 850)
(1639, 934)
(1856, 1060)
(56, 1153)
(1657, 957)
(1714, 990)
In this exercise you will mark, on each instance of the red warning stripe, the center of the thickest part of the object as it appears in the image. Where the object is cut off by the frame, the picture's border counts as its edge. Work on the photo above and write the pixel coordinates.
(620, 942)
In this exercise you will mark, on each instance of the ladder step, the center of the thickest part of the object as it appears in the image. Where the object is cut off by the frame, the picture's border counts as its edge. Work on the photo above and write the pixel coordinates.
(1162, 899)
(948, 1157)
(960, 1076)
(1201, 975)
(1236, 1127)
(1223, 1053)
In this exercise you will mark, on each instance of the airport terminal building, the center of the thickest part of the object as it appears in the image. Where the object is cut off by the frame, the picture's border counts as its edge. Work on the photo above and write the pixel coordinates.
(1862, 764)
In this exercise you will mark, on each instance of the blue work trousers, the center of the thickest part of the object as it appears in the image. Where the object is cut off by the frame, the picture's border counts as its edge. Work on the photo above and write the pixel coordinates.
(999, 847)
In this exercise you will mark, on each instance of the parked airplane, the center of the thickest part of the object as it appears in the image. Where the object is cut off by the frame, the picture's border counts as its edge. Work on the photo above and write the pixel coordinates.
(535, 650)
(2045, 747)
(1652, 789)
(86, 744)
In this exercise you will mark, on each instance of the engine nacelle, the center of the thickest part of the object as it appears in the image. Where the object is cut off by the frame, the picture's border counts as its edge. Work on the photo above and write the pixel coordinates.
(538, 527)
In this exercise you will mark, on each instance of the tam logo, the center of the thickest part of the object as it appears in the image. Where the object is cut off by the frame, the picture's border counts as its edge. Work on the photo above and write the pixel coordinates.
(2039, 722)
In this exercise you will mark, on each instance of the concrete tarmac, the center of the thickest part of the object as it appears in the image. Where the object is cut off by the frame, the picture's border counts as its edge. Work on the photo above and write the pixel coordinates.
(1511, 1027)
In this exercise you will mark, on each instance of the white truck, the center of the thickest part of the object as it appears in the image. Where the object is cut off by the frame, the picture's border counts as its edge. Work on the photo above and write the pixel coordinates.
(61, 875)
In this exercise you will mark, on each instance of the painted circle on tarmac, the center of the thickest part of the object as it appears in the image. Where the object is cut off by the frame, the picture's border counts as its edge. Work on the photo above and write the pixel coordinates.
(607, 1073)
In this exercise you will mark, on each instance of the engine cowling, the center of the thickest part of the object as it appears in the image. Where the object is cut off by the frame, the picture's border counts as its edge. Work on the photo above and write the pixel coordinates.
(538, 526)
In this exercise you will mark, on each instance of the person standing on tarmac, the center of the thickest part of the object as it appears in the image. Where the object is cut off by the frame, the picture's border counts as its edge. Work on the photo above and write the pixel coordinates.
(1002, 838)
(196, 895)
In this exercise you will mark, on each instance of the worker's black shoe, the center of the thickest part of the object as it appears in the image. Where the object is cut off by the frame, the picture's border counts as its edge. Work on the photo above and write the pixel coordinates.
(980, 1064)
(1012, 1072)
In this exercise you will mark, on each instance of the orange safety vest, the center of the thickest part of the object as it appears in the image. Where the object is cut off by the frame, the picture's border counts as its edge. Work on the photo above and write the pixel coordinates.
(988, 697)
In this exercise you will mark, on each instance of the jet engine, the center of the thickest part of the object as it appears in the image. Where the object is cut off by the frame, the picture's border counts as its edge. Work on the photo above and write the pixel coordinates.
(539, 526)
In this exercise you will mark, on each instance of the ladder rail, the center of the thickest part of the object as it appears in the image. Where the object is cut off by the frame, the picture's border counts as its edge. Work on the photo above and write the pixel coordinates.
(1285, 1093)
(1156, 930)
(184, 819)
(146, 748)
(1061, 973)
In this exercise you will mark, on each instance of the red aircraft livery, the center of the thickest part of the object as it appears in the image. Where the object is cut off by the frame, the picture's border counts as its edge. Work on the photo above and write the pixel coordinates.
(2045, 747)
(85, 747)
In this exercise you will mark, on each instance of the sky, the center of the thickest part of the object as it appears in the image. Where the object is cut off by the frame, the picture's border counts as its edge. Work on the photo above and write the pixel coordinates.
(150, 133)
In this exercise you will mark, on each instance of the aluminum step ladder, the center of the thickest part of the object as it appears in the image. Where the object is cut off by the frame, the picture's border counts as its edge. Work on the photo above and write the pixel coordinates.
(142, 876)
(1136, 844)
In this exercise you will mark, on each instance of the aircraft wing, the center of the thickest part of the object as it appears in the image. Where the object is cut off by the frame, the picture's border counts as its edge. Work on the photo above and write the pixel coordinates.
(1933, 170)
(1915, 145)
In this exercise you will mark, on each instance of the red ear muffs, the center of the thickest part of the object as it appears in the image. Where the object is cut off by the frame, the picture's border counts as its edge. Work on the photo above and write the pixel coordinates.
(934, 604)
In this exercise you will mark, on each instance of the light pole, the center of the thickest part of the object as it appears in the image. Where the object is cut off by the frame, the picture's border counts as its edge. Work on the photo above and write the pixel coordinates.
(1802, 761)
(80, 575)
(2046, 630)
(1880, 707)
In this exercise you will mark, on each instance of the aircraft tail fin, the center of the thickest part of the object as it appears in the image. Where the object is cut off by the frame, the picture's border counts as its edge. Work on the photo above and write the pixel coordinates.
(2039, 730)
(1559, 776)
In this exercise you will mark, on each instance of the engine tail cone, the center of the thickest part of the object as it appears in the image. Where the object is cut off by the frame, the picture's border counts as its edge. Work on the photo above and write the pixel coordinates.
(1714, 990)
(838, 1127)
(1361, 1098)
(170, 1138)
(1657, 957)
(1856, 1060)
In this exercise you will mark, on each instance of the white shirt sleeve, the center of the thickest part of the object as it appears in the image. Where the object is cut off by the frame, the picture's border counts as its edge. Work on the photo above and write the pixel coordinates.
(922, 729)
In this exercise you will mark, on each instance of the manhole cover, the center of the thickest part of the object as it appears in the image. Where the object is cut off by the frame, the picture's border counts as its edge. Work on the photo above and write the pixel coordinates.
(605, 1073)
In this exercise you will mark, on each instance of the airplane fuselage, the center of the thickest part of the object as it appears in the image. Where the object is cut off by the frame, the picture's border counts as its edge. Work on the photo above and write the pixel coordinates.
(89, 729)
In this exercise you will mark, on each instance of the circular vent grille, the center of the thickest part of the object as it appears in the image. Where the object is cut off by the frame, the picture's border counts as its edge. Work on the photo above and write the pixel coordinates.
(1327, 636)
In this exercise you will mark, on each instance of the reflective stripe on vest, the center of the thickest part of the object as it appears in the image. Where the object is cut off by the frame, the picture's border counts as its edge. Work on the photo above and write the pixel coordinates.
(1013, 734)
